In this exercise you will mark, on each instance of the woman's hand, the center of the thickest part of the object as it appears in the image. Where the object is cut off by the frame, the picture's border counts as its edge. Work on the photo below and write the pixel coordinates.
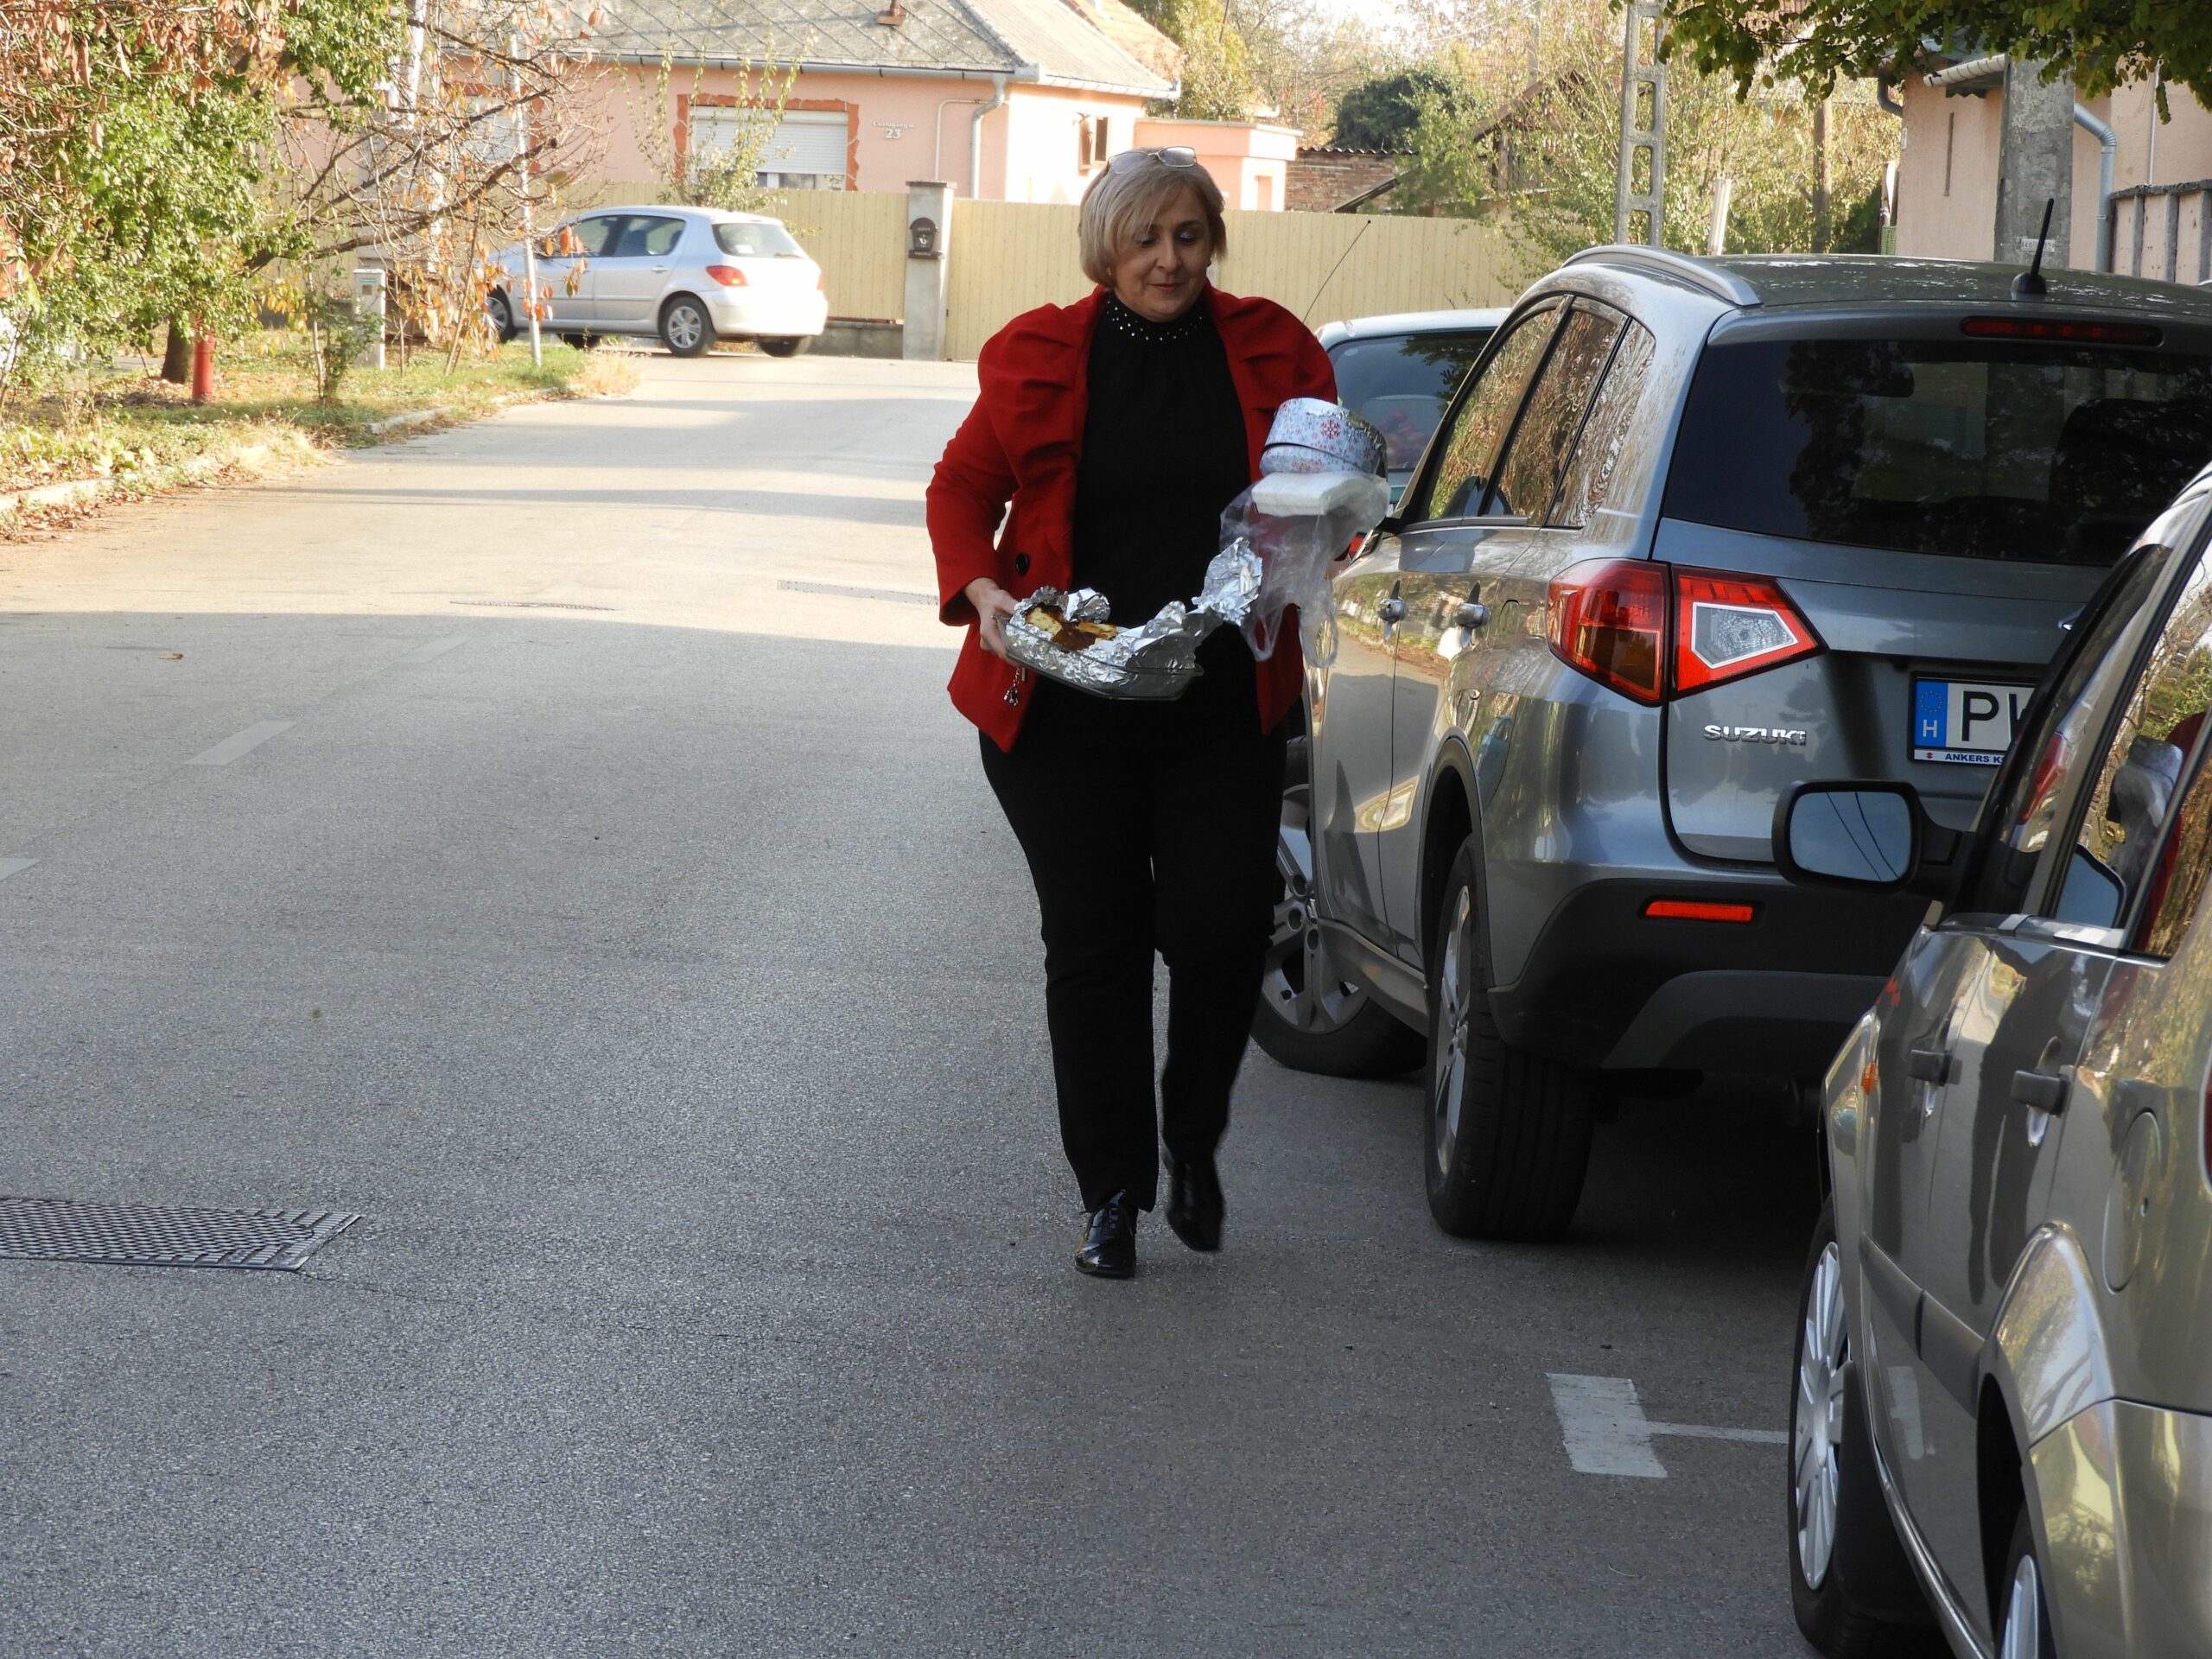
(992, 606)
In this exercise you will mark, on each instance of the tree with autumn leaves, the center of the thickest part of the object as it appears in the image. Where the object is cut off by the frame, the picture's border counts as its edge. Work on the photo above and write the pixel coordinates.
(163, 163)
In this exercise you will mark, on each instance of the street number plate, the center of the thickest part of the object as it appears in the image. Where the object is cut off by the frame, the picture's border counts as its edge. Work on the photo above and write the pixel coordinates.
(1966, 722)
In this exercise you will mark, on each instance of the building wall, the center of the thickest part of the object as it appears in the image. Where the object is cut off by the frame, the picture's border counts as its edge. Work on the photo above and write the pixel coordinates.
(1250, 161)
(1321, 181)
(902, 128)
(1033, 149)
(1947, 185)
(1947, 179)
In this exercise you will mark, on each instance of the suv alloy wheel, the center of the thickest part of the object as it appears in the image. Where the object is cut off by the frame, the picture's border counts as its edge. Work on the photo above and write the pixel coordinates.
(1507, 1136)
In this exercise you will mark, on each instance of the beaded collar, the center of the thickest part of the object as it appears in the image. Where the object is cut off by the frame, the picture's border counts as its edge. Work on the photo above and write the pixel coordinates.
(1131, 325)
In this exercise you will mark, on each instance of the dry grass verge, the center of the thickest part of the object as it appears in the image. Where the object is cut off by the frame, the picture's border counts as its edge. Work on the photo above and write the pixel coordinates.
(129, 433)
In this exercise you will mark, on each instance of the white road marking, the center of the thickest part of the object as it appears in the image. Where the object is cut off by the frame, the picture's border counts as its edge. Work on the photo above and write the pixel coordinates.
(15, 866)
(1603, 1427)
(243, 743)
(1605, 1432)
(431, 653)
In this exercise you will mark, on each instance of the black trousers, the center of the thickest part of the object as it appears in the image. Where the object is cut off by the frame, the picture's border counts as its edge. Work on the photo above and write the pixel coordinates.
(1147, 827)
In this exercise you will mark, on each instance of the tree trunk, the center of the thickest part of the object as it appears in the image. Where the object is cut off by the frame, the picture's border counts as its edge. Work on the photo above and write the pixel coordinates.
(176, 355)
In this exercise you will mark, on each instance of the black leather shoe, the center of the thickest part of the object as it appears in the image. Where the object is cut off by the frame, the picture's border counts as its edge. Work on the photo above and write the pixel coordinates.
(1110, 1244)
(1194, 1202)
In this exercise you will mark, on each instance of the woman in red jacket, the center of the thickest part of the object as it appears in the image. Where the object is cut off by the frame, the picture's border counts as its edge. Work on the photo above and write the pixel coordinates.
(1118, 428)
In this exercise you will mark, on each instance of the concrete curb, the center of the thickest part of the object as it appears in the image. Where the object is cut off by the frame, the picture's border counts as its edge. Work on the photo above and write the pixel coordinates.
(139, 480)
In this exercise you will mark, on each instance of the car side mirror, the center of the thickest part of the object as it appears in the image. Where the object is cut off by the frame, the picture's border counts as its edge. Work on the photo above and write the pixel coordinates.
(1854, 835)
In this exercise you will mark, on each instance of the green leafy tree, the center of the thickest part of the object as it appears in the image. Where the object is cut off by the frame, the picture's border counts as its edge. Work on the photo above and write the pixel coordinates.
(1386, 111)
(1217, 83)
(134, 139)
(2100, 43)
(1547, 153)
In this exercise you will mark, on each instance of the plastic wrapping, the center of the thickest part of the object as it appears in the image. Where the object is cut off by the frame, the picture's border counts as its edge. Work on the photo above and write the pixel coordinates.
(1319, 489)
(1154, 662)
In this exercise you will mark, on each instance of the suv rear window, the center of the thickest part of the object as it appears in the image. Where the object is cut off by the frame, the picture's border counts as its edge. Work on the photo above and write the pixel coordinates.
(754, 241)
(1402, 383)
(1977, 449)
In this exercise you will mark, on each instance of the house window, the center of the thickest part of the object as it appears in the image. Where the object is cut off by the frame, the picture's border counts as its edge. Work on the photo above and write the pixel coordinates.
(1092, 140)
(807, 151)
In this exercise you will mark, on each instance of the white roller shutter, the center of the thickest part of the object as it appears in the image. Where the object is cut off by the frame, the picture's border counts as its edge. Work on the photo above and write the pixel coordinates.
(807, 141)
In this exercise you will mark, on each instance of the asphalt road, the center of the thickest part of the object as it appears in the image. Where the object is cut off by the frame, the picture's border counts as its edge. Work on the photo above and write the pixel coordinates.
(601, 896)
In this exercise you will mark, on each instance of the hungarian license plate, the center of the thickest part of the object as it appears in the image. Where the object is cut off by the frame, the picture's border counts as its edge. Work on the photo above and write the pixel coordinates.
(1968, 723)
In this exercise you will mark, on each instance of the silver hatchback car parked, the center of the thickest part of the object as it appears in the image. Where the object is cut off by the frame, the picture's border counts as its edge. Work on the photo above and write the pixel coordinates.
(688, 276)
(2004, 1375)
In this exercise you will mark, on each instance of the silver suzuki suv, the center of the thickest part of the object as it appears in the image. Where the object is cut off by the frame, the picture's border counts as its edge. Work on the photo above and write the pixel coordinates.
(1693, 531)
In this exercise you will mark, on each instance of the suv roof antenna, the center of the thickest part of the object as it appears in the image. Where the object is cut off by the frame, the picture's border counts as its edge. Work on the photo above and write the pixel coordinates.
(2029, 285)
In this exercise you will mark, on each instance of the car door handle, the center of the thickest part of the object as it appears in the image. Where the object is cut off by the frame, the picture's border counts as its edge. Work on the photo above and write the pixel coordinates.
(1928, 1064)
(660, 267)
(2044, 1091)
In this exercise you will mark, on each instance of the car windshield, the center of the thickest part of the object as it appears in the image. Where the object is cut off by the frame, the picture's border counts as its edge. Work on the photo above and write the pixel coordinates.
(1981, 449)
(1402, 383)
(749, 239)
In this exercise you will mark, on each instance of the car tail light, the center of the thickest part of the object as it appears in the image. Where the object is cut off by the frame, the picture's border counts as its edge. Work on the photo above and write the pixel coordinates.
(1651, 632)
(1608, 620)
(728, 275)
(1727, 626)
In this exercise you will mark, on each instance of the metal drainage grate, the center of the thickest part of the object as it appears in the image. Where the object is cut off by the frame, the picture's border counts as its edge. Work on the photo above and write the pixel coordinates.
(165, 1236)
(897, 594)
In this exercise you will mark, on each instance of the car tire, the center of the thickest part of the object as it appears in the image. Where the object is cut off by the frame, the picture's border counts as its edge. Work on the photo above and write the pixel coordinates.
(496, 306)
(2024, 1623)
(581, 342)
(1508, 1133)
(1309, 1019)
(685, 328)
(1853, 1591)
(791, 347)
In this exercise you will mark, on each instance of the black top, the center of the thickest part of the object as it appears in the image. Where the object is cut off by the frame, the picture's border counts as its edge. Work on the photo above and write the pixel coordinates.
(1163, 453)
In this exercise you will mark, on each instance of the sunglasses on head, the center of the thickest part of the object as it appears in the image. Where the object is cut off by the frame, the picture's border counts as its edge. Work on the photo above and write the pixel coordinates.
(1172, 156)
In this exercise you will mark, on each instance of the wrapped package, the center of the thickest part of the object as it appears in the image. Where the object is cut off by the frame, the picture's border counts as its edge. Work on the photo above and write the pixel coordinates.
(1320, 487)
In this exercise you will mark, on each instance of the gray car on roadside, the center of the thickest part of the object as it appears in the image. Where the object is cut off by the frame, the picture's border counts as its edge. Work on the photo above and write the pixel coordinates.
(1691, 532)
(2002, 1421)
(1398, 372)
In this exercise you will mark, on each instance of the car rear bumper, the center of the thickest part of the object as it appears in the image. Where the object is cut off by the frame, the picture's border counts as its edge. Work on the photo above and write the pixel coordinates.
(1607, 984)
(776, 317)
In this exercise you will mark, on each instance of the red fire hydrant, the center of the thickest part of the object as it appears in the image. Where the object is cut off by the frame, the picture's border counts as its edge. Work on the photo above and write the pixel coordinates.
(203, 369)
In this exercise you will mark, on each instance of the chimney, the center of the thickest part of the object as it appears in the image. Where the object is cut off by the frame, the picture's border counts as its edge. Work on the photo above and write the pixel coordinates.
(893, 15)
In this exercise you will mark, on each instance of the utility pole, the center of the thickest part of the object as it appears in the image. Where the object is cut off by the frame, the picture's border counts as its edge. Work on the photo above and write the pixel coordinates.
(2034, 164)
(1644, 125)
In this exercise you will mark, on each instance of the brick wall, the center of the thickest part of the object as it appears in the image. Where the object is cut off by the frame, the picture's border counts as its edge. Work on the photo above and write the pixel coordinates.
(1323, 180)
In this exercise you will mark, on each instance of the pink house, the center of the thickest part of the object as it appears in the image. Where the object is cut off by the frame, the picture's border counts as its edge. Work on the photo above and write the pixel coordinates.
(1010, 100)
(2159, 222)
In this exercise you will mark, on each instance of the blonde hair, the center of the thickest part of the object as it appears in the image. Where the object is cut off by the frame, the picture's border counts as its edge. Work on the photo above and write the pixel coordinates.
(1122, 201)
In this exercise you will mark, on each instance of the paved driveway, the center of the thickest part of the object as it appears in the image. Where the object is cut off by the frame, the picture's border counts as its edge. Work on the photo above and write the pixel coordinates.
(550, 839)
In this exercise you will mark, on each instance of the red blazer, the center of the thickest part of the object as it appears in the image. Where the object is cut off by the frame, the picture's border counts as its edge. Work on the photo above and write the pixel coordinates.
(1020, 442)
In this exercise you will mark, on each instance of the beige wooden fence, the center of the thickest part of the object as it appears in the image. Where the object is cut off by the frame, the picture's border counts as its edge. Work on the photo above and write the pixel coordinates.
(859, 240)
(1010, 255)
